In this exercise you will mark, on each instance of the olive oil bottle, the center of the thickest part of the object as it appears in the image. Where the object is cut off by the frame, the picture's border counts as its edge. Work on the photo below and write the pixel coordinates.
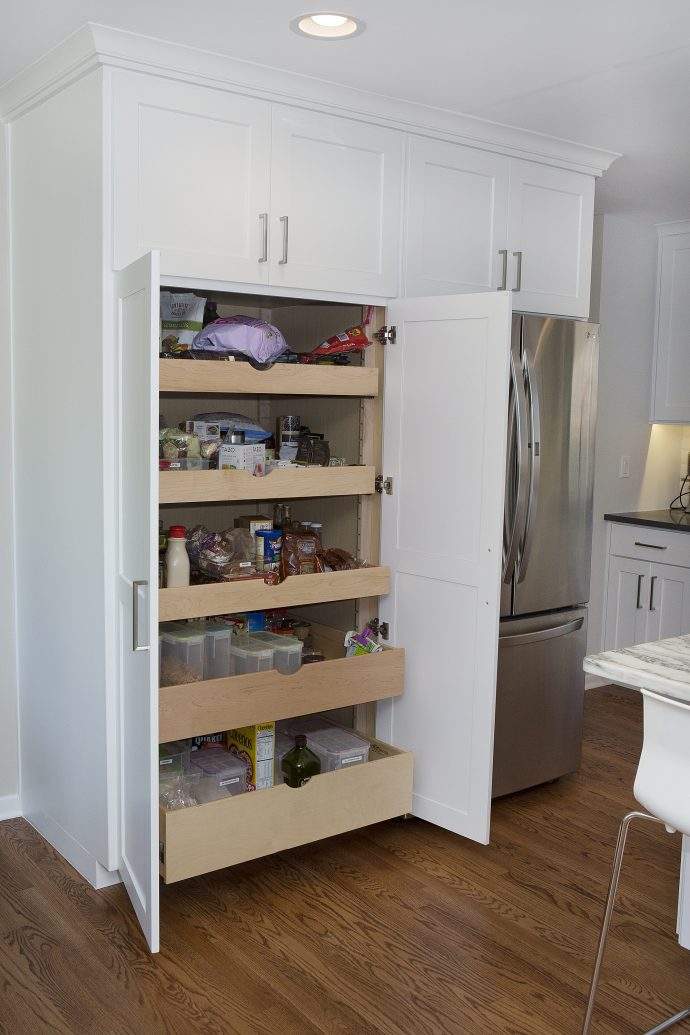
(299, 763)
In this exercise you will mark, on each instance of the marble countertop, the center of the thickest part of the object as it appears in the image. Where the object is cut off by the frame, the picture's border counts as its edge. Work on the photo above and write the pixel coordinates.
(676, 520)
(663, 666)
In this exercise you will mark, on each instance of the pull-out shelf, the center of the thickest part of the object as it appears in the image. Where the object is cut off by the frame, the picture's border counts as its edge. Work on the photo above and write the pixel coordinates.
(223, 833)
(191, 709)
(219, 598)
(289, 483)
(222, 378)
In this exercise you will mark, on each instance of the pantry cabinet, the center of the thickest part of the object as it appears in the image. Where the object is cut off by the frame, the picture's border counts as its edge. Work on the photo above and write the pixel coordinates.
(646, 598)
(671, 369)
(477, 220)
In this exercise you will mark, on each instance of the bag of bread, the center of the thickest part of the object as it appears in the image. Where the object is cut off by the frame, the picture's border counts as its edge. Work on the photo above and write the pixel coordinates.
(300, 554)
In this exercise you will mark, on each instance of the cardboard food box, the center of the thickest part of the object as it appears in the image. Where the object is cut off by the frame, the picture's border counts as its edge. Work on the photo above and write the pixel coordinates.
(254, 522)
(255, 745)
(247, 457)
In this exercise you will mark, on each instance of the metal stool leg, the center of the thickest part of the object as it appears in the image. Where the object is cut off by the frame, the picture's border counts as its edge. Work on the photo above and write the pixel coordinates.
(610, 901)
(665, 1025)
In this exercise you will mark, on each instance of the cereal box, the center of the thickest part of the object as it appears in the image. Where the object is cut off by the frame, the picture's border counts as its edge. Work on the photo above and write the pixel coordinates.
(255, 745)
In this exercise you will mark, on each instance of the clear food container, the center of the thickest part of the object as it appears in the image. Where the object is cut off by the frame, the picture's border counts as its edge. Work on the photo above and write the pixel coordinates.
(222, 775)
(179, 790)
(250, 655)
(182, 655)
(173, 757)
(218, 659)
(337, 748)
(287, 651)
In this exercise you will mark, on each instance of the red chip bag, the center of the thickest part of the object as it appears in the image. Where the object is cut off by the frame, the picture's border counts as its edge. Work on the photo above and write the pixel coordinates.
(353, 339)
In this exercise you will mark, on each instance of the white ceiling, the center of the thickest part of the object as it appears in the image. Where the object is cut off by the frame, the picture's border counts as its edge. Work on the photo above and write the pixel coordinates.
(611, 73)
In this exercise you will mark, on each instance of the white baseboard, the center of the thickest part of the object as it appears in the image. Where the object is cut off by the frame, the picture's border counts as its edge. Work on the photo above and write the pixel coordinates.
(10, 806)
(83, 861)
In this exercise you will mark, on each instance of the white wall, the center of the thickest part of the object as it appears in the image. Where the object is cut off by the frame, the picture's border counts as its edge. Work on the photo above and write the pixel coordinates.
(623, 302)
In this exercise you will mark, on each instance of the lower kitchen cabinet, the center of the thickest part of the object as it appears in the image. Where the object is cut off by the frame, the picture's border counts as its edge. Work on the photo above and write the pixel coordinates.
(646, 599)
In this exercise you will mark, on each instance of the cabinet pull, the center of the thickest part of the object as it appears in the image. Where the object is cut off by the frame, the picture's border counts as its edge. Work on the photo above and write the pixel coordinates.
(263, 219)
(650, 546)
(138, 587)
(651, 593)
(639, 591)
(503, 252)
(518, 276)
(284, 221)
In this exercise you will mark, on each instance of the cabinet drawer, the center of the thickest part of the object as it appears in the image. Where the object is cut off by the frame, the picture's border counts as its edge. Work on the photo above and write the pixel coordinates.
(223, 833)
(651, 544)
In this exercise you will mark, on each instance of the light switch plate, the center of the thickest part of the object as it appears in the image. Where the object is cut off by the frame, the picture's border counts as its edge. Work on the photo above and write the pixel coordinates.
(624, 467)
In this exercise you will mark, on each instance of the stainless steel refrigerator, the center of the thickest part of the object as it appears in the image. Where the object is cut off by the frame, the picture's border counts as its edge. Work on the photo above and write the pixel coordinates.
(546, 551)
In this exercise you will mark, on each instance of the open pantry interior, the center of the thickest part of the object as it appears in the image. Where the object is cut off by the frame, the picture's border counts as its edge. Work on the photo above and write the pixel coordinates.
(344, 403)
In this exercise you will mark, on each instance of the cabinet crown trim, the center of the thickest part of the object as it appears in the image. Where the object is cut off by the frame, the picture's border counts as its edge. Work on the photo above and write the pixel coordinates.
(96, 45)
(678, 226)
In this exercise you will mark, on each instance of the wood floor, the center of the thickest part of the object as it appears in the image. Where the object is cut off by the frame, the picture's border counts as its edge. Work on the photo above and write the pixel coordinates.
(399, 928)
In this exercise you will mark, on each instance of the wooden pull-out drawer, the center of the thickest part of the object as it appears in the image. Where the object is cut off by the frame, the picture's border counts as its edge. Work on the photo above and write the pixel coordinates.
(222, 704)
(196, 376)
(289, 483)
(223, 833)
(644, 543)
(219, 598)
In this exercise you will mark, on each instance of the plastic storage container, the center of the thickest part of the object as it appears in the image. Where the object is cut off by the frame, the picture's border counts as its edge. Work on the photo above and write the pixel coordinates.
(336, 747)
(222, 775)
(250, 655)
(287, 651)
(182, 652)
(218, 659)
(173, 757)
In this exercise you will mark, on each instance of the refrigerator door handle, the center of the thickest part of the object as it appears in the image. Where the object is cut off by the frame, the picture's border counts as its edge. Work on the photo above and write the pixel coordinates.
(521, 438)
(534, 450)
(536, 635)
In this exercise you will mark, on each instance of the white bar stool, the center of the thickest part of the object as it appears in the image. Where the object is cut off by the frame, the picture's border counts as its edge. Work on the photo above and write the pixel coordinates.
(662, 786)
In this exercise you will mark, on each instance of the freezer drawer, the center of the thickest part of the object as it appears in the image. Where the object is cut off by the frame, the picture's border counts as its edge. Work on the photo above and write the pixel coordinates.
(539, 699)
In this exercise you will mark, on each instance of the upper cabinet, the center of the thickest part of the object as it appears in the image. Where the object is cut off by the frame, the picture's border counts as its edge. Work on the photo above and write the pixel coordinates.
(312, 204)
(457, 219)
(551, 225)
(336, 193)
(671, 375)
(480, 221)
(191, 178)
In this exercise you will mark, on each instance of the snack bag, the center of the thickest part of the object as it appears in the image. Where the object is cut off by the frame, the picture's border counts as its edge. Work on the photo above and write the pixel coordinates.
(182, 317)
(354, 339)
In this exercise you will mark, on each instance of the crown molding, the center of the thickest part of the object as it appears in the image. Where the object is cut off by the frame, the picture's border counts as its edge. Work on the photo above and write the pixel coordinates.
(94, 45)
(677, 226)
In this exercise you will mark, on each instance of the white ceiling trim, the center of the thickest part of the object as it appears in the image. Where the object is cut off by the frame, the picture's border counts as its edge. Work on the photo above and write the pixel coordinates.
(95, 45)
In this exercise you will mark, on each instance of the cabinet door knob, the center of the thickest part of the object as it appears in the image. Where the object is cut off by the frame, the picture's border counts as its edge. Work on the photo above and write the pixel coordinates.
(284, 221)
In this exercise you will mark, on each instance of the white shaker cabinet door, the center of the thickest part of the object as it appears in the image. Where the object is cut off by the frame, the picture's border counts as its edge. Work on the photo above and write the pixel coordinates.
(191, 178)
(551, 226)
(335, 204)
(456, 220)
(137, 356)
(627, 594)
(445, 421)
(671, 394)
(668, 602)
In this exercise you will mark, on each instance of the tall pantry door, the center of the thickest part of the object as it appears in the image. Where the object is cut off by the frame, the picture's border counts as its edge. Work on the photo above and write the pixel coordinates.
(137, 339)
(444, 444)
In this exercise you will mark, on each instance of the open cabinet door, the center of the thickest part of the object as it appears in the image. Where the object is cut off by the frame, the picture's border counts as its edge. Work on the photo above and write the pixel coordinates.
(137, 337)
(444, 443)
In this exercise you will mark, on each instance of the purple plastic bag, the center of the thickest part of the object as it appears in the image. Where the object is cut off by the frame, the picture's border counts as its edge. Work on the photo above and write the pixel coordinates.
(257, 339)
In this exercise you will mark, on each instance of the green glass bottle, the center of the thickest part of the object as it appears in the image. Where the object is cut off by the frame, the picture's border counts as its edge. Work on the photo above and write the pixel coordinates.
(299, 763)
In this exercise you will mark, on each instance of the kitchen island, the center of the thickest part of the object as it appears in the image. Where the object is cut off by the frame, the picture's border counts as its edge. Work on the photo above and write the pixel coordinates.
(664, 667)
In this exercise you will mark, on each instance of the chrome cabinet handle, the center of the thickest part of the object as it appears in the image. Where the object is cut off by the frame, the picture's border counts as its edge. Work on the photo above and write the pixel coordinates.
(284, 221)
(651, 593)
(503, 252)
(137, 586)
(518, 277)
(639, 591)
(650, 546)
(263, 219)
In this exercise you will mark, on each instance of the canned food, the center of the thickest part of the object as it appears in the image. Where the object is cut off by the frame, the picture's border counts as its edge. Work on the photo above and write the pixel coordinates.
(268, 544)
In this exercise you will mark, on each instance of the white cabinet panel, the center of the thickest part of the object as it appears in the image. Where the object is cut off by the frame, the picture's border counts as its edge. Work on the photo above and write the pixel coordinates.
(457, 218)
(551, 224)
(668, 603)
(191, 178)
(441, 535)
(671, 393)
(626, 602)
(335, 204)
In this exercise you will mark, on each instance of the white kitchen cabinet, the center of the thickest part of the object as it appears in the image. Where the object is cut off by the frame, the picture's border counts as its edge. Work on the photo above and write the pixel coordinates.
(191, 178)
(646, 598)
(551, 214)
(457, 219)
(671, 371)
(336, 188)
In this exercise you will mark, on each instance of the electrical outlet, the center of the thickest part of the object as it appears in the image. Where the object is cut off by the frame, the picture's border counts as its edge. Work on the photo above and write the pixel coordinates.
(624, 467)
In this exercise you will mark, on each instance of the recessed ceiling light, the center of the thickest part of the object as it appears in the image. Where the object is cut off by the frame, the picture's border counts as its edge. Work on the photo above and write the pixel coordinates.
(327, 26)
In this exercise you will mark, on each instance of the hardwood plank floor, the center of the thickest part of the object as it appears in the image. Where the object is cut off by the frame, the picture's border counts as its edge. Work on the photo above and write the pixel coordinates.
(400, 928)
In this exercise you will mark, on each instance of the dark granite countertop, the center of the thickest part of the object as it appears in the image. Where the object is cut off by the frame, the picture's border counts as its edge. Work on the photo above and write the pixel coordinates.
(677, 520)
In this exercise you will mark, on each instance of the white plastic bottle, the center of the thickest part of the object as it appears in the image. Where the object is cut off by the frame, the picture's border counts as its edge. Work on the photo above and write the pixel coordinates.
(176, 558)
